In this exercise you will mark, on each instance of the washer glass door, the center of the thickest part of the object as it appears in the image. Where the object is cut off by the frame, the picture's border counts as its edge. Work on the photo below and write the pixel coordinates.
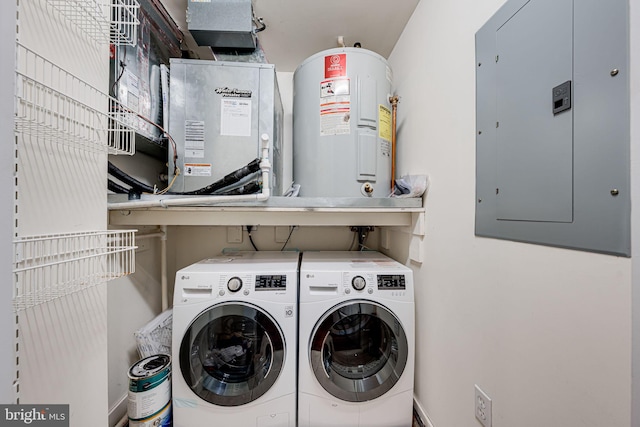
(232, 353)
(358, 350)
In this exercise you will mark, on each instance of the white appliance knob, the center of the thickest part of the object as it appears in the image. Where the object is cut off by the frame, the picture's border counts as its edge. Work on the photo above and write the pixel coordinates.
(234, 284)
(358, 283)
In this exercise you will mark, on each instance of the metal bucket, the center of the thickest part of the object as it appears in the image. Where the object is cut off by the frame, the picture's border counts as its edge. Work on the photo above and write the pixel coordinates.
(149, 402)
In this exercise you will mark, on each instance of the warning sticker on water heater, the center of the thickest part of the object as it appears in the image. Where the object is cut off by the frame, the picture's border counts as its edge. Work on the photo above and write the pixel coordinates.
(384, 122)
(335, 107)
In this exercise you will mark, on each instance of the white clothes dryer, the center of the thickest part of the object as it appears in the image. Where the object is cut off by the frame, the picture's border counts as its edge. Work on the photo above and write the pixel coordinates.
(235, 340)
(356, 358)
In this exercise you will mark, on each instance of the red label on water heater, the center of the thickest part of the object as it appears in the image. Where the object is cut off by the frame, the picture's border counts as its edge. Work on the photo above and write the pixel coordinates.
(335, 65)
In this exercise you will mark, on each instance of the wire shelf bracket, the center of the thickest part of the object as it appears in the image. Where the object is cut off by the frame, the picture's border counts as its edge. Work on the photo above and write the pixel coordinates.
(53, 266)
(55, 105)
(104, 21)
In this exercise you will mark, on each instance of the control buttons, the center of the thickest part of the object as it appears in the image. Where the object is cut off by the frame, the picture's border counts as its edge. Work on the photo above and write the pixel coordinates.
(246, 292)
(370, 290)
(234, 284)
(221, 292)
(358, 283)
(347, 291)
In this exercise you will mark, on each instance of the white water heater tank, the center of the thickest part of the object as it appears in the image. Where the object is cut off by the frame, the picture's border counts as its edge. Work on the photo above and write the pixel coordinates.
(342, 124)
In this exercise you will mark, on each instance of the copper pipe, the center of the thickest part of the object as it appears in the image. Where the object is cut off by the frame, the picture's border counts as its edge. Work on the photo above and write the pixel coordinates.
(394, 108)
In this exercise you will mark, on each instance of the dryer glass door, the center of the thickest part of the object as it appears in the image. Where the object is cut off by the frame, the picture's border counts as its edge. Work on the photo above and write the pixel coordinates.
(358, 350)
(232, 353)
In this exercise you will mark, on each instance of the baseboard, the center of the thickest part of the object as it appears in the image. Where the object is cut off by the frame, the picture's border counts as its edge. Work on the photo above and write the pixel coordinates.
(118, 410)
(421, 414)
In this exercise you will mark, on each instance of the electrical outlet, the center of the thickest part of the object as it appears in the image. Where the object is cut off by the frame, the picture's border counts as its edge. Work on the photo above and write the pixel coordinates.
(483, 407)
(234, 234)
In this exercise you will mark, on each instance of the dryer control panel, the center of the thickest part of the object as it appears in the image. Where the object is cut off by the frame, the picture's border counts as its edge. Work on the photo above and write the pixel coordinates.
(393, 285)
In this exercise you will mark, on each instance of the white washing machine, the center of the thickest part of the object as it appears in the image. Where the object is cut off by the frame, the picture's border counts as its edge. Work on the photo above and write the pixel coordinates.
(235, 341)
(356, 358)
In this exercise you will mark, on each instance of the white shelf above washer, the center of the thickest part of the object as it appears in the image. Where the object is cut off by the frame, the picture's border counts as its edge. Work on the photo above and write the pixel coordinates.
(277, 211)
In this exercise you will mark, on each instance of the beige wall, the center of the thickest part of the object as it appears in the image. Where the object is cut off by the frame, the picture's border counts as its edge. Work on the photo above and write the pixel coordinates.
(545, 332)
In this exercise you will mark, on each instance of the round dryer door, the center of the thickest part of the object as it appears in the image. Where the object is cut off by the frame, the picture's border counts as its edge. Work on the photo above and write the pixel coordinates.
(358, 351)
(231, 354)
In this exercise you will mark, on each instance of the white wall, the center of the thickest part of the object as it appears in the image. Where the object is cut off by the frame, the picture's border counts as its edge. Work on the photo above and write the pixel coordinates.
(62, 348)
(545, 332)
(7, 322)
(635, 199)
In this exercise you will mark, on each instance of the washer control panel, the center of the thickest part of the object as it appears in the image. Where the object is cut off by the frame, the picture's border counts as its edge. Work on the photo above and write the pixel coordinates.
(387, 282)
(365, 283)
(246, 284)
(273, 282)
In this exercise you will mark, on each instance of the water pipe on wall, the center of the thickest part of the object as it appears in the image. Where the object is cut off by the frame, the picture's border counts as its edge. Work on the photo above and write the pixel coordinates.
(394, 108)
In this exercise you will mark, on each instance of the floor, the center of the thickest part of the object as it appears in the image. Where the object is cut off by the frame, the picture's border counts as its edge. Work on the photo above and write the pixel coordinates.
(416, 422)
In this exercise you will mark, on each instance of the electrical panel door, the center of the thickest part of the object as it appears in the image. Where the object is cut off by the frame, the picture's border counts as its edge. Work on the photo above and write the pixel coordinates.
(553, 130)
(534, 145)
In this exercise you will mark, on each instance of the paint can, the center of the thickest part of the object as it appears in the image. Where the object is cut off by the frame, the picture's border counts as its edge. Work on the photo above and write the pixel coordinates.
(149, 400)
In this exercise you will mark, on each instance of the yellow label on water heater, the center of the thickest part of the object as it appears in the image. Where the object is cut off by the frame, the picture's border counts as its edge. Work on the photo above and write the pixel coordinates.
(384, 123)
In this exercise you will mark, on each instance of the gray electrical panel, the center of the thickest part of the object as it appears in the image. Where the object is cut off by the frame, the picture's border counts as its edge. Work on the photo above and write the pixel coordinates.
(552, 116)
(217, 113)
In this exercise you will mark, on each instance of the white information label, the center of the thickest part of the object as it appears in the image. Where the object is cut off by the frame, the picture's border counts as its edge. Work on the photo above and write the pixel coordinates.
(133, 83)
(194, 135)
(385, 148)
(334, 89)
(197, 169)
(235, 119)
(335, 122)
(335, 107)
